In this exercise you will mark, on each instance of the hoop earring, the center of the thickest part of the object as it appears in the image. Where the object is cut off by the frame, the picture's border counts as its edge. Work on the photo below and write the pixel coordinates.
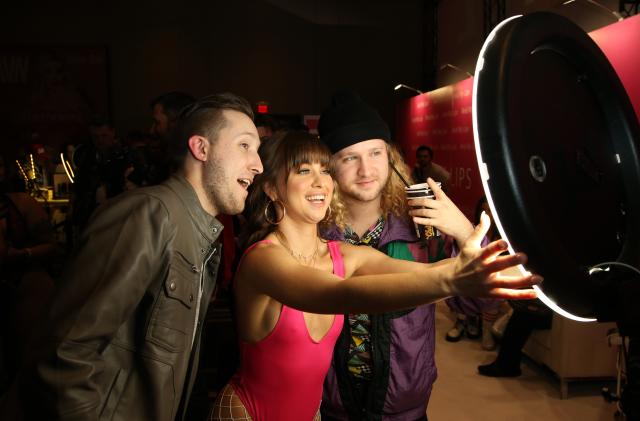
(266, 211)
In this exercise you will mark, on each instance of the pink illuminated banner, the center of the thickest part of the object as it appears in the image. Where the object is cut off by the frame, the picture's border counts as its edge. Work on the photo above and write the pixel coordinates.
(620, 42)
(441, 119)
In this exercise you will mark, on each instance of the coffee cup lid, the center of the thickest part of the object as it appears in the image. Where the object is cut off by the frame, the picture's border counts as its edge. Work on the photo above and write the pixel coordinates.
(418, 186)
(421, 186)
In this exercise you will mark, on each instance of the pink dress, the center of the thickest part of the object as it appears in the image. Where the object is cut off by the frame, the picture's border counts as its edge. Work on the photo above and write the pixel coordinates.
(280, 378)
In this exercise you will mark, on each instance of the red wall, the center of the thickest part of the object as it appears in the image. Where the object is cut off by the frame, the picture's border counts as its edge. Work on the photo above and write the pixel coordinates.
(620, 42)
(441, 119)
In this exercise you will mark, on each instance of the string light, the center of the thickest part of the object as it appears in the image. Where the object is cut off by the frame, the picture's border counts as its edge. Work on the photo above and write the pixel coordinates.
(71, 170)
(32, 173)
(24, 175)
(68, 169)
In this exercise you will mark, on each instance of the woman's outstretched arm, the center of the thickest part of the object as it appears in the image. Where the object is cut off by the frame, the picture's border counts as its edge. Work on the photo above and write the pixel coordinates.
(383, 284)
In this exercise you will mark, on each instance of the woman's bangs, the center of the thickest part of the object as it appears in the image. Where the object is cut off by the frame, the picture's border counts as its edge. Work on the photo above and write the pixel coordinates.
(306, 150)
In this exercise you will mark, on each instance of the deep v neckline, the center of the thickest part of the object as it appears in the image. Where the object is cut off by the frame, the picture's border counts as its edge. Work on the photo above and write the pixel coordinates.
(306, 326)
(338, 270)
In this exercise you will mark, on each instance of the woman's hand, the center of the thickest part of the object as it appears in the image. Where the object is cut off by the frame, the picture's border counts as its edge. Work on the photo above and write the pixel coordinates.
(441, 213)
(475, 270)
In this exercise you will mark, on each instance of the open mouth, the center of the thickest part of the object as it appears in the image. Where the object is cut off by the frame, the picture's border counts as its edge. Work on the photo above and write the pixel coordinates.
(316, 198)
(244, 182)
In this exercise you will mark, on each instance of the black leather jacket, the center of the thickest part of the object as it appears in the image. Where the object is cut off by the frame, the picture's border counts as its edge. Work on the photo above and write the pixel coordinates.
(122, 339)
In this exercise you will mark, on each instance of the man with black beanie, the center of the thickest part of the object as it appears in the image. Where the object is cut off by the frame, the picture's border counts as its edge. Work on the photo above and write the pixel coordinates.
(383, 366)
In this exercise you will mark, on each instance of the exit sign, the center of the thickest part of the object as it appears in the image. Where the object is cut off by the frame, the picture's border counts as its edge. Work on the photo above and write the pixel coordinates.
(263, 107)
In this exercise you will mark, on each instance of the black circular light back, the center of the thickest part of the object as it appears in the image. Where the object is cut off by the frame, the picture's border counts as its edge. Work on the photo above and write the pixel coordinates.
(557, 144)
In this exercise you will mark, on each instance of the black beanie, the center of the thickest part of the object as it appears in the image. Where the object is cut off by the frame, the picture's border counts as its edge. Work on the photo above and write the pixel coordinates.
(349, 120)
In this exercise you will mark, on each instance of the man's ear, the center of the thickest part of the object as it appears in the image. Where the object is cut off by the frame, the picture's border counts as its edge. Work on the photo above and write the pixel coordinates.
(199, 147)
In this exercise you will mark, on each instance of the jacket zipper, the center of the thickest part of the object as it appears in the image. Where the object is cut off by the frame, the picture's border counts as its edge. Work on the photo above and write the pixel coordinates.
(199, 296)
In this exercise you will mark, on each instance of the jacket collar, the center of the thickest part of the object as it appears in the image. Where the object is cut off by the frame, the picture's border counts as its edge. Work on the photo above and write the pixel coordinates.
(206, 223)
(395, 229)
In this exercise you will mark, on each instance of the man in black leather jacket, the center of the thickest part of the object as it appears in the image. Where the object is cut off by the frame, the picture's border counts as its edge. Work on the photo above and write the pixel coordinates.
(121, 339)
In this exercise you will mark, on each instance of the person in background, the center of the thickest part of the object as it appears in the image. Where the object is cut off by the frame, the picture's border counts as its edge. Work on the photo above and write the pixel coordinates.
(267, 126)
(121, 339)
(383, 365)
(29, 256)
(476, 317)
(144, 166)
(165, 110)
(426, 168)
(101, 164)
(527, 316)
(291, 283)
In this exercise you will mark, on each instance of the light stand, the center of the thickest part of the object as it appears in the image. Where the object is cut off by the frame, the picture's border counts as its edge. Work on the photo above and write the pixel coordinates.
(402, 85)
(456, 68)
(618, 288)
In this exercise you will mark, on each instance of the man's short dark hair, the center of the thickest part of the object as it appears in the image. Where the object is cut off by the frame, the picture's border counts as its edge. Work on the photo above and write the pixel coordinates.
(424, 148)
(173, 103)
(204, 118)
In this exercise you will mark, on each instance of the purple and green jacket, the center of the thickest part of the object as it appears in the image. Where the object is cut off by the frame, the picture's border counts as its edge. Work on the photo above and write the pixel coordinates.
(403, 345)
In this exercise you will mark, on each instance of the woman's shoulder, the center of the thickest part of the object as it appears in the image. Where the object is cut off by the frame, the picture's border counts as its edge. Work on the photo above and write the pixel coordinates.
(264, 252)
(258, 249)
(259, 244)
(256, 258)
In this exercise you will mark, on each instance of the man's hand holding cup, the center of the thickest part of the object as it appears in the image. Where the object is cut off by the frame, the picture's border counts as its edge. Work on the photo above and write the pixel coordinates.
(434, 212)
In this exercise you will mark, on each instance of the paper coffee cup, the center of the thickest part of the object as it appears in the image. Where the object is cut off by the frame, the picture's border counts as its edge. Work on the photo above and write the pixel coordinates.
(418, 191)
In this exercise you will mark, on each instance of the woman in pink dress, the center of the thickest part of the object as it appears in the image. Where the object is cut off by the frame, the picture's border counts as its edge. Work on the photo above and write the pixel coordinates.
(292, 287)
